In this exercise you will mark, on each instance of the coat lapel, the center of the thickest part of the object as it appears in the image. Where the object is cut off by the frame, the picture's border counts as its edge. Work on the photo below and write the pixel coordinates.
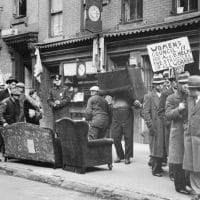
(155, 98)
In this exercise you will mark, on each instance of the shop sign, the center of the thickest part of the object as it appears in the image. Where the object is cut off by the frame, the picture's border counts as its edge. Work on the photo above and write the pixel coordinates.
(7, 32)
(170, 54)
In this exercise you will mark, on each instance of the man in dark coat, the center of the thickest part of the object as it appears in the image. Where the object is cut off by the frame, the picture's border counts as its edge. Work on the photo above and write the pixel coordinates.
(176, 110)
(98, 114)
(10, 109)
(166, 123)
(58, 99)
(191, 160)
(156, 137)
(11, 84)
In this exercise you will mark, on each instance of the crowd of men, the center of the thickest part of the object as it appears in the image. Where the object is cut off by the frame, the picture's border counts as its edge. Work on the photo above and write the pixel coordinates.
(172, 114)
(171, 111)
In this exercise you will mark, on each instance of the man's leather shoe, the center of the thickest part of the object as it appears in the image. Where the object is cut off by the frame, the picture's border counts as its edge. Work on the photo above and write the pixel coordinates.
(157, 174)
(127, 161)
(183, 191)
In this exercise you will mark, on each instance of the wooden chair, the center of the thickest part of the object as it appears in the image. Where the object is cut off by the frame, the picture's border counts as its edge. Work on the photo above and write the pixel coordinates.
(78, 152)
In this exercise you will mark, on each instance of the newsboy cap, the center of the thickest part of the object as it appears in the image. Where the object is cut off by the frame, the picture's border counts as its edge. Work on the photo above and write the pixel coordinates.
(11, 79)
(20, 85)
(194, 81)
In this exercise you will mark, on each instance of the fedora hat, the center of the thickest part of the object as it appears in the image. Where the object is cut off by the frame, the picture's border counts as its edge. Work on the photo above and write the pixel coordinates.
(194, 81)
(183, 77)
(11, 79)
(158, 78)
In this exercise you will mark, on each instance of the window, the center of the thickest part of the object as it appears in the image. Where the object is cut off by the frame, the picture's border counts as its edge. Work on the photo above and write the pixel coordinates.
(133, 10)
(20, 8)
(56, 18)
(182, 6)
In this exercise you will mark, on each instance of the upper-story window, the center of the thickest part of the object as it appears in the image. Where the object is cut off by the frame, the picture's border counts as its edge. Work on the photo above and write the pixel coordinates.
(56, 17)
(132, 10)
(20, 8)
(182, 6)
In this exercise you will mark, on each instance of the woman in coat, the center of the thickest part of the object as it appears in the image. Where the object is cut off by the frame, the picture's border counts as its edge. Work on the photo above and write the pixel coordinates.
(176, 110)
(191, 161)
(32, 108)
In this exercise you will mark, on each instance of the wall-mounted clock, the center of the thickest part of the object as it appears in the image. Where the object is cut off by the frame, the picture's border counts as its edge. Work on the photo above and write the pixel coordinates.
(81, 70)
(94, 13)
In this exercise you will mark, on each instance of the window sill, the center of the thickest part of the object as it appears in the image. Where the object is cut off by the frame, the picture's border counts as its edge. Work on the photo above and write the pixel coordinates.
(132, 21)
(19, 20)
(182, 16)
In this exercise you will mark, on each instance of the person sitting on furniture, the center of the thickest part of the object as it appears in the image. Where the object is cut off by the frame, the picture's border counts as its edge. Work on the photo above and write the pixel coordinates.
(98, 115)
(32, 111)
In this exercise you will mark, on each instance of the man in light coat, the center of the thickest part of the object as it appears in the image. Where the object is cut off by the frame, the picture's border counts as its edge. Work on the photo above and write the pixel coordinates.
(191, 161)
(156, 137)
(176, 110)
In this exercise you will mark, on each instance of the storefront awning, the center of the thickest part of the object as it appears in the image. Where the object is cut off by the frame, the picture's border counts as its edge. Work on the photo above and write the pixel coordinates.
(65, 42)
(155, 27)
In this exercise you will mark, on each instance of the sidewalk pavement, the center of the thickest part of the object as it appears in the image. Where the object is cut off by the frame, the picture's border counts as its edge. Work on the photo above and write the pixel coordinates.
(127, 182)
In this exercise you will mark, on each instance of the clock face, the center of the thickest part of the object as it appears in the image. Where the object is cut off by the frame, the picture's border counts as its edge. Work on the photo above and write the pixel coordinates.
(94, 13)
(81, 69)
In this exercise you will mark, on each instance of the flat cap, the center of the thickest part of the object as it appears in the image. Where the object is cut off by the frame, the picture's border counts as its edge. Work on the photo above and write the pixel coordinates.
(94, 88)
(20, 85)
(194, 81)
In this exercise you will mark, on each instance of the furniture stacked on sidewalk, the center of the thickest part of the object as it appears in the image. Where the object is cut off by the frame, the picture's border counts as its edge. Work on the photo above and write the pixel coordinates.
(31, 142)
(78, 152)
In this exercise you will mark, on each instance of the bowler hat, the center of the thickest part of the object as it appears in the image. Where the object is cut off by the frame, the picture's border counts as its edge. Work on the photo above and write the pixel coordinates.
(183, 77)
(11, 79)
(194, 81)
(158, 78)
(16, 92)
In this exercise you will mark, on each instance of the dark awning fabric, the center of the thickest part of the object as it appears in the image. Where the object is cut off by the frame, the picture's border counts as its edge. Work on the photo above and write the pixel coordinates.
(155, 27)
(65, 42)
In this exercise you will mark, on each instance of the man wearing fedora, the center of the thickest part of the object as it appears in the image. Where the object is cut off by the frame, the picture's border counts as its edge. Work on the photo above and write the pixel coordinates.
(10, 84)
(165, 122)
(176, 111)
(58, 99)
(156, 138)
(191, 160)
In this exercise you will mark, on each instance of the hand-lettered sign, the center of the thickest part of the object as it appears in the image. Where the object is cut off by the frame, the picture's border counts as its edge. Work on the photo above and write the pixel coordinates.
(170, 54)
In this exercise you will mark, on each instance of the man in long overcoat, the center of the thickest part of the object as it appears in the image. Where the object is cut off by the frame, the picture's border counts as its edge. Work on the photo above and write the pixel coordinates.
(176, 110)
(191, 161)
(156, 137)
(165, 122)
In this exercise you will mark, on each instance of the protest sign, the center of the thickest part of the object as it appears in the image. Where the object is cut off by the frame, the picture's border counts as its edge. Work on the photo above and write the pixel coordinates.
(170, 54)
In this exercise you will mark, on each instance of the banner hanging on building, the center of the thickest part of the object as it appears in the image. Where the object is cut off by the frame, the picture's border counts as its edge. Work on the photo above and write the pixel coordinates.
(170, 54)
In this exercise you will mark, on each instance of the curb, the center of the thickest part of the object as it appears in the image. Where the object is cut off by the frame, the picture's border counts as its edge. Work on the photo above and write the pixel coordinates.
(102, 191)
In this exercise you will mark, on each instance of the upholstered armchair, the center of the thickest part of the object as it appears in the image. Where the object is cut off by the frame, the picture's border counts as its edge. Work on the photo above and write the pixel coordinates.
(78, 152)
(31, 142)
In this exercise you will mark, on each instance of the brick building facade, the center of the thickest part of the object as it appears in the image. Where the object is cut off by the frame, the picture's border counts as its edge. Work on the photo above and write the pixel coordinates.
(56, 27)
